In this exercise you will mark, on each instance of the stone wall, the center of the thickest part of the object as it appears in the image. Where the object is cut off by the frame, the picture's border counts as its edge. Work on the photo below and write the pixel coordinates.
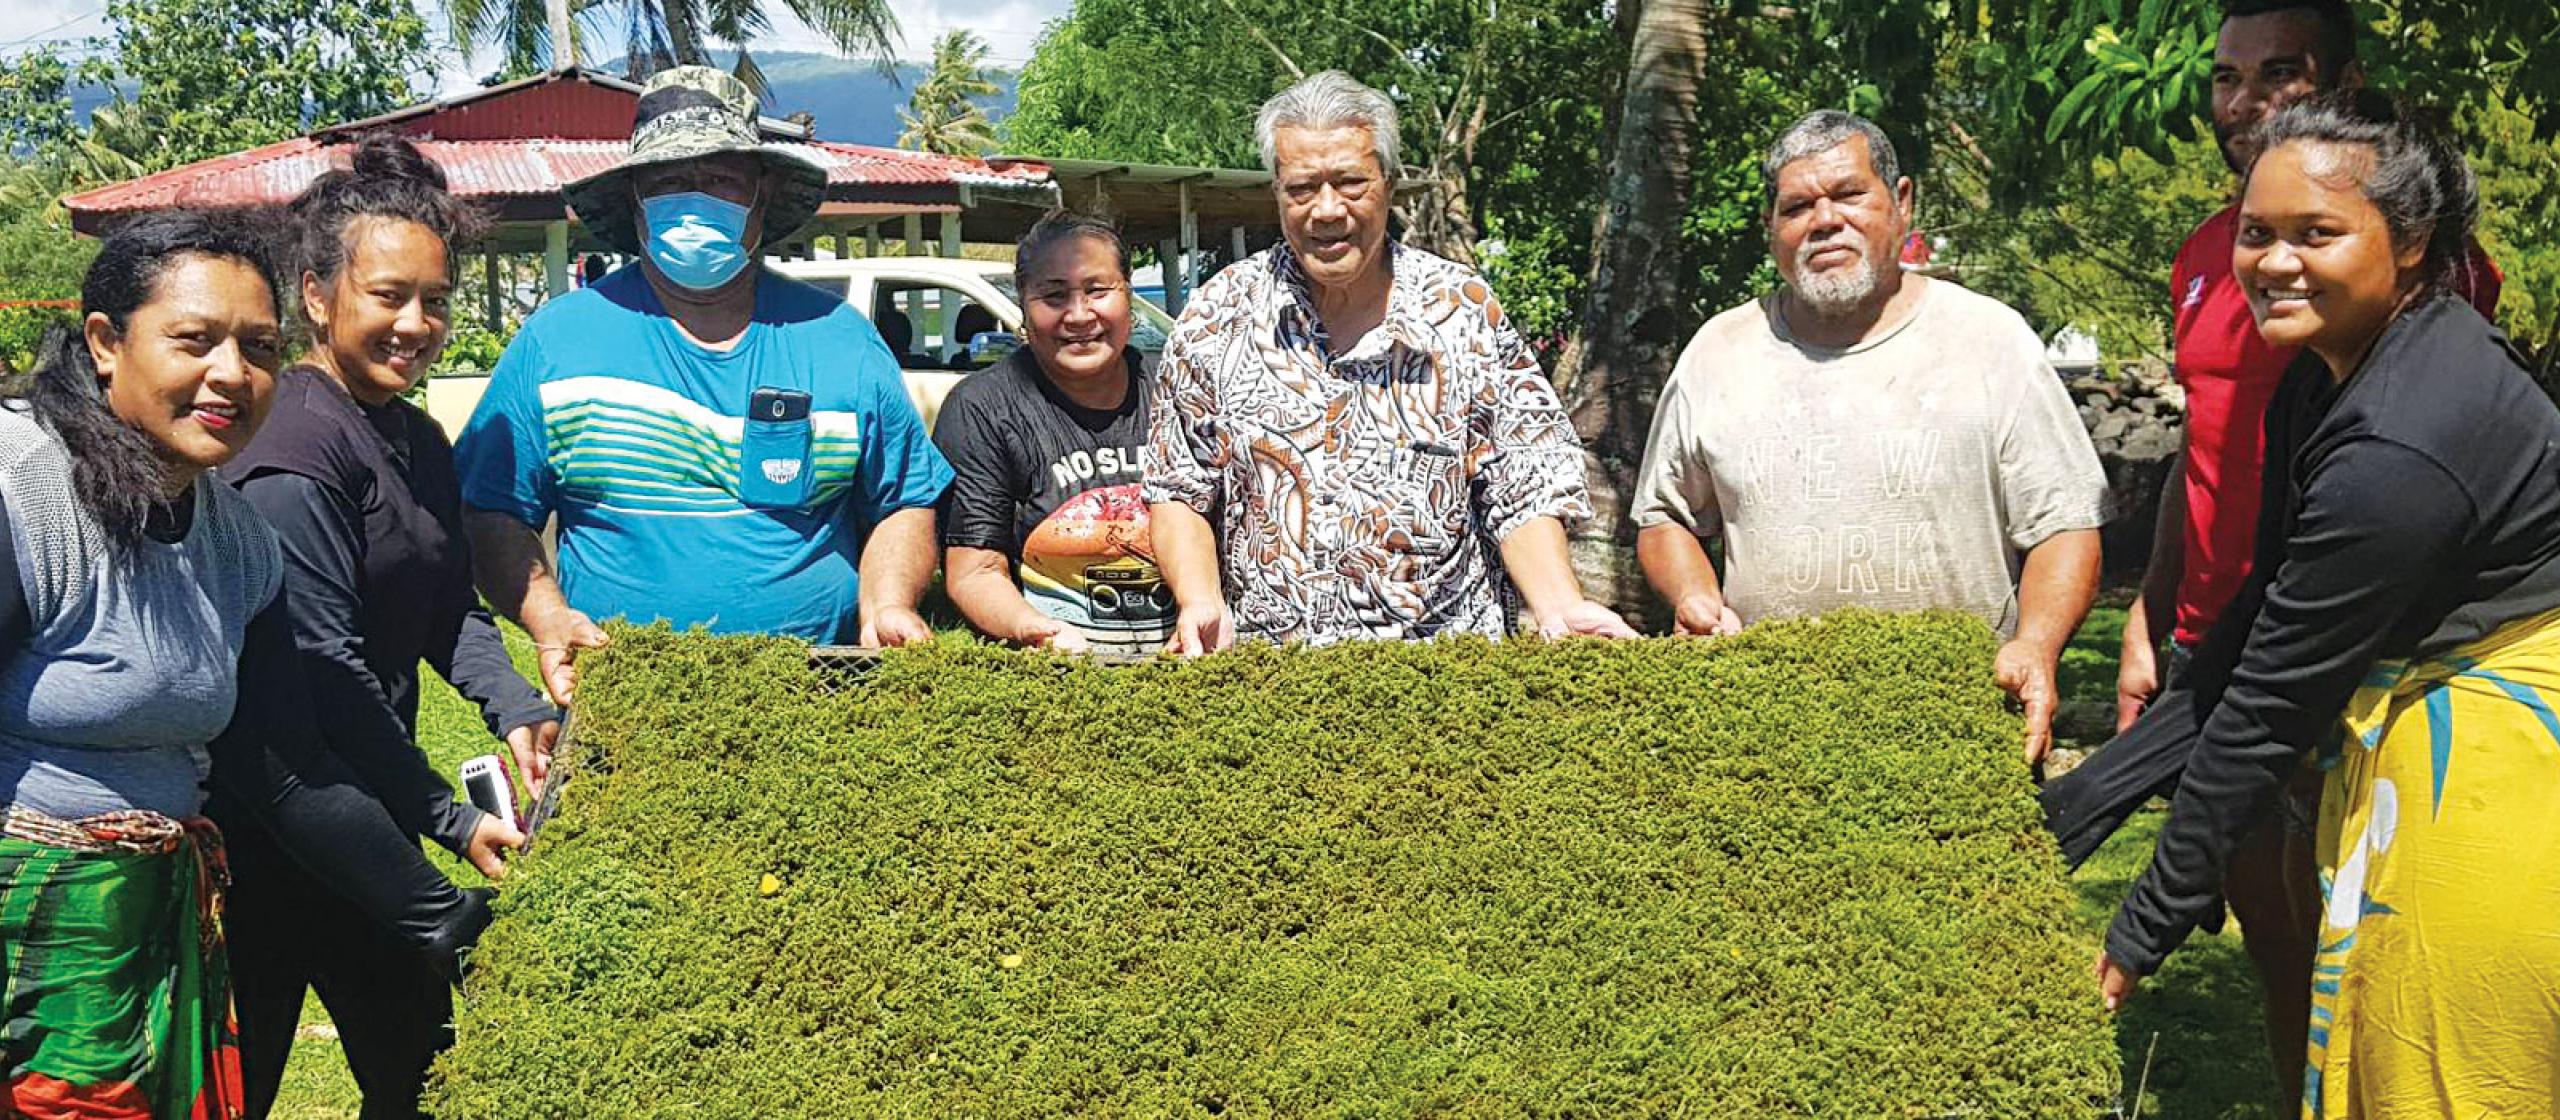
(2136, 418)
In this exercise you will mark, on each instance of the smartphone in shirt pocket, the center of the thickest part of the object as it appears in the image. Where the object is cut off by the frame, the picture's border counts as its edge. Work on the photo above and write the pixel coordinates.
(774, 471)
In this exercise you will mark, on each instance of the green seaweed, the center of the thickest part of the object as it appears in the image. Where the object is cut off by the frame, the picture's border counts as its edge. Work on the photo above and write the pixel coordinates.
(1794, 873)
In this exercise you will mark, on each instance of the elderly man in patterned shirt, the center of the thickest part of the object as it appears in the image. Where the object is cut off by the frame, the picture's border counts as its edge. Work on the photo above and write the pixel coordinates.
(1376, 443)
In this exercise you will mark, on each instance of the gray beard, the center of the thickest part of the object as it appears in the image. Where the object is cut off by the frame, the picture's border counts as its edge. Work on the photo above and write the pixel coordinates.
(1838, 291)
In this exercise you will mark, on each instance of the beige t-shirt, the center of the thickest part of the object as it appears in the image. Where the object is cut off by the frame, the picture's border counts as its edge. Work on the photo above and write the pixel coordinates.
(1910, 472)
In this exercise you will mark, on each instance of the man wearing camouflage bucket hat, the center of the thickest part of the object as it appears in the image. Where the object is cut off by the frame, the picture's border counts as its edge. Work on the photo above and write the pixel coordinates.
(721, 445)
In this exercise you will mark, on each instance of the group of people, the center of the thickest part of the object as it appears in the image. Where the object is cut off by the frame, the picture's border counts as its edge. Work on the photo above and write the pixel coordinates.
(228, 569)
(225, 572)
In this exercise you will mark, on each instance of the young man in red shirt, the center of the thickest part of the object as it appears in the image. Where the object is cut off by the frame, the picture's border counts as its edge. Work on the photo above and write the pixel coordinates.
(2269, 54)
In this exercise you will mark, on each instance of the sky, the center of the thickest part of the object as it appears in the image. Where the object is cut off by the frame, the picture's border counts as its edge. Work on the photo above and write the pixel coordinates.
(1009, 28)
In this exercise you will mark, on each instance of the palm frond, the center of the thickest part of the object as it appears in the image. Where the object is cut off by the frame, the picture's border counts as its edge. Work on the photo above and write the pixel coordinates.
(753, 75)
(859, 28)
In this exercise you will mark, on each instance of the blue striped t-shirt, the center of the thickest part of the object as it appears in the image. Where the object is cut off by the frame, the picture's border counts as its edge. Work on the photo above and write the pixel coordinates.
(603, 413)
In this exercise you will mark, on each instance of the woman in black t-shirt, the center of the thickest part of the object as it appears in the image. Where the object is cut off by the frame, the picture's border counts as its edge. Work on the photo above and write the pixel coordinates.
(2402, 625)
(359, 487)
(1044, 535)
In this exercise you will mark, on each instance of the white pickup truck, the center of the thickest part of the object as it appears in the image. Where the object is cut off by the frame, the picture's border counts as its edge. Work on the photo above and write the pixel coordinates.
(925, 297)
(925, 292)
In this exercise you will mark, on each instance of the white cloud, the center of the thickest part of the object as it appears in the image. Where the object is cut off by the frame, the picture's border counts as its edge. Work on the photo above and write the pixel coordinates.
(1009, 27)
(27, 25)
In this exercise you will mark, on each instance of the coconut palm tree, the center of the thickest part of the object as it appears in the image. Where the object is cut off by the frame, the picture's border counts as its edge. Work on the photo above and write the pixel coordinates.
(119, 143)
(519, 29)
(941, 116)
(659, 33)
(122, 143)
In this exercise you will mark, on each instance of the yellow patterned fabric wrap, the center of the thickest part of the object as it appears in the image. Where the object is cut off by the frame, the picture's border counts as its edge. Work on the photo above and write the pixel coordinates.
(2437, 989)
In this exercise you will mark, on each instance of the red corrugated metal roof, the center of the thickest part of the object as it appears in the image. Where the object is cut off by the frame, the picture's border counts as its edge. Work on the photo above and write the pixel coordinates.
(564, 106)
(521, 140)
(496, 169)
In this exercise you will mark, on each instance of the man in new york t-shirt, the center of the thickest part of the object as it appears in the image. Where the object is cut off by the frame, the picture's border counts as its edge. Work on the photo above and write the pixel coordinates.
(1865, 438)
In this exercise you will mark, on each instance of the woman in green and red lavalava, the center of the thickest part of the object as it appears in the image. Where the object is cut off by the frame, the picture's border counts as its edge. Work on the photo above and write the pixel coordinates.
(144, 659)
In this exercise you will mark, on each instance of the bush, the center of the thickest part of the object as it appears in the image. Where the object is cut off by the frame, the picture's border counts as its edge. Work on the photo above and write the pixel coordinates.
(472, 350)
(1794, 873)
(22, 329)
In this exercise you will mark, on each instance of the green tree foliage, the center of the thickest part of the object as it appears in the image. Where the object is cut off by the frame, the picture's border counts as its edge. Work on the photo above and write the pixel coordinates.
(208, 77)
(1099, 85)
(2126, 82)
(2520, 225)
(215, 76)
(1507, 106)
(35, 102)
(520, 31)
(2124, 73)
(38, 258)
(2140, 87)
(943, 115)
(855, 27)
(1794, 873)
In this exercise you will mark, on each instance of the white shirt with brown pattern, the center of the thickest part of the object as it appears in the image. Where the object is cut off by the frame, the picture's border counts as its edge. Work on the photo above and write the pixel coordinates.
(1364, 494)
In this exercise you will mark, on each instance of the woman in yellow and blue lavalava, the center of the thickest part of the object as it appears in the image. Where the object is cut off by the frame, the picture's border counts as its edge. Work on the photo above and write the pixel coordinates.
(2403, 627)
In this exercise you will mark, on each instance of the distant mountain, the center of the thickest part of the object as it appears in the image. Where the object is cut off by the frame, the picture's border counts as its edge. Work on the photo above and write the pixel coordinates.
(86, 96)
(853, 101)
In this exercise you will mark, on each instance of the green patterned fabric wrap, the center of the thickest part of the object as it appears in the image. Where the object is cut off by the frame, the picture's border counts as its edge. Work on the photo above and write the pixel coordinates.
(118, 996)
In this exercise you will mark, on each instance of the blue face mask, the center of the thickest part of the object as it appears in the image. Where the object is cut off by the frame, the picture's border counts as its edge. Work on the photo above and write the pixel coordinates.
(696, 239)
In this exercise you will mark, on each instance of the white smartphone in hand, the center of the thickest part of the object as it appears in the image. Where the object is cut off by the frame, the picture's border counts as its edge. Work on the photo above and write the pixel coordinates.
(485, 781)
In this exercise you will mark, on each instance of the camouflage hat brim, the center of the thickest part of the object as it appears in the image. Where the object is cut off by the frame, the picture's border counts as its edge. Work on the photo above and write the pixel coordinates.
(685, 113)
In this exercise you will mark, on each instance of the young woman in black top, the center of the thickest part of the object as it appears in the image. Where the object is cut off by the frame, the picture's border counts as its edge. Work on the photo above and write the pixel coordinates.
(359, 487)
(2403, 628)
(1044, 534)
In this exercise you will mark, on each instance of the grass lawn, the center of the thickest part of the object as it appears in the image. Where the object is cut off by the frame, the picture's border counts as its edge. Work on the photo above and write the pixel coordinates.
(2197, 1022)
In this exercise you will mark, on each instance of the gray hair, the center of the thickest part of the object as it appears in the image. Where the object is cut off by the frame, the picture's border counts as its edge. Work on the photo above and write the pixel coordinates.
(1820, 131)
(1329, 100)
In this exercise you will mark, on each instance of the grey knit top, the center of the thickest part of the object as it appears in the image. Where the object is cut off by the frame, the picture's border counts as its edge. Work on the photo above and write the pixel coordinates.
(131, 662)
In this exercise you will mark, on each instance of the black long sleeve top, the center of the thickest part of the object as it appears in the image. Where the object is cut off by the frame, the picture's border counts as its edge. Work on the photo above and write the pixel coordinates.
(364, 503)
(276, 765)
(2409, 511)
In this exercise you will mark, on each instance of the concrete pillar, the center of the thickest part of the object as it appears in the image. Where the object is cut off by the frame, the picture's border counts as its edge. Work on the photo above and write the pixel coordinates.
(555, 257)
(871, 240)
(1235, 244)
(493, 303)
(946, 303)
(1177, 288)
(913, 226)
